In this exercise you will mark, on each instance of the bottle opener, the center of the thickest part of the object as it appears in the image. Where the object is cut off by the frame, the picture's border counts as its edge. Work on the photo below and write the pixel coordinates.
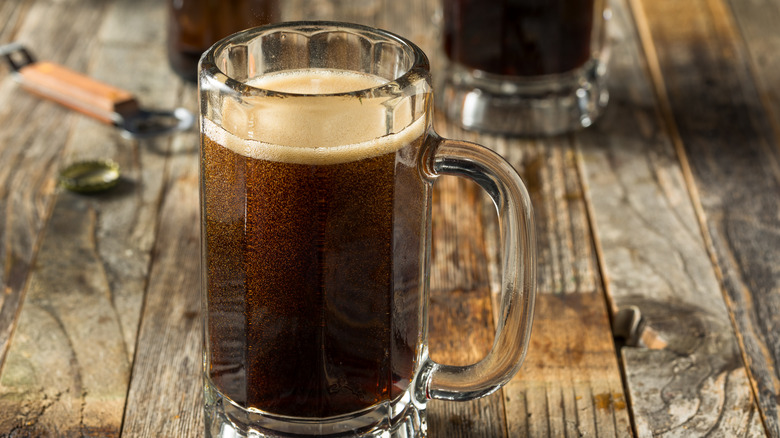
(96, 99)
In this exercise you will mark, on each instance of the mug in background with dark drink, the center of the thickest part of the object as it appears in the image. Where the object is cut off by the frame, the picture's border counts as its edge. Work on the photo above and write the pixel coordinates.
(194, 25)
(317, 163)
(525, 67)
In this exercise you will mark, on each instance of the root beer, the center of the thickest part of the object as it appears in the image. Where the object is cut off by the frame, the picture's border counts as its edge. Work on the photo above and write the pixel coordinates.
(313, 236)
(519, 37)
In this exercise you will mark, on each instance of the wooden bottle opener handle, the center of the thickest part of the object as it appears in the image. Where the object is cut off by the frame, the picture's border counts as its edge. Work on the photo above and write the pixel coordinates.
(76, 91)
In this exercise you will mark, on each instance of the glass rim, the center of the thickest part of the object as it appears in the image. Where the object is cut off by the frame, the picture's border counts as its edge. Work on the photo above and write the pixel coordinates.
(208, 70)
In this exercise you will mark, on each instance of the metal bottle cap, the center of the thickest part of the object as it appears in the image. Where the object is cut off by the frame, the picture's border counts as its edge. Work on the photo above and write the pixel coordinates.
(90, 176)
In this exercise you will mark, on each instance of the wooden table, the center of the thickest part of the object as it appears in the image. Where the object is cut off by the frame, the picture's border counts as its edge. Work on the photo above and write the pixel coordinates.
(666, 211)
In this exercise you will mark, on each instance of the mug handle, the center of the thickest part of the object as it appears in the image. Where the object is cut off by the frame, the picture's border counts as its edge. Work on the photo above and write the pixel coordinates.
(518, 247)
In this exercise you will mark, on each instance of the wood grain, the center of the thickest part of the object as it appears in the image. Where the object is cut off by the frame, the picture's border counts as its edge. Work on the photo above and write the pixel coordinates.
(461, 324)
(165, 396)
(30, 153)
(66, 365)
(570, 383)
(655, 259)
(13, 13)
(74, 347)
(756, 21)
(126, 245)
(722, 147)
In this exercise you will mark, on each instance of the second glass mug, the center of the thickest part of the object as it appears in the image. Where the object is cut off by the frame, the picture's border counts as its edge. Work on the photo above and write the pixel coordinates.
(317, 164)
(525, 67)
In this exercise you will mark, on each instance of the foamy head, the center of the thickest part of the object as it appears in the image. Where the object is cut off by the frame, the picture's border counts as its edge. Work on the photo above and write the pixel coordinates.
(317, 125)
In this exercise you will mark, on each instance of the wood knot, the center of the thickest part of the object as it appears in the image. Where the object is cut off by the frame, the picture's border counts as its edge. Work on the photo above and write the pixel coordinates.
(629, 325)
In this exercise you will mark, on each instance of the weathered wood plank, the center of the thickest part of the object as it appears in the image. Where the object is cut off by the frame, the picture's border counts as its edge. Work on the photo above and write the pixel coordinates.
(126, 242)
(655, 259)
(87, 287)
(12, 14)
(566, 258)
(461, 323)
(165, 396)
(733, 160)
(570, 384)
(757, 21)
(30, 152)
(62, 366)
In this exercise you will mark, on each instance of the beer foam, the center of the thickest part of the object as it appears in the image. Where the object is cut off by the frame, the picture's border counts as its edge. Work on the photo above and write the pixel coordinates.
(316, 81)
(316, 127)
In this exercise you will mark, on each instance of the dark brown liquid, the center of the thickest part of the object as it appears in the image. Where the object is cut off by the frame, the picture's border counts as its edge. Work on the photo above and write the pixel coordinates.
(313, 279)
(519, 37)
(194, 25)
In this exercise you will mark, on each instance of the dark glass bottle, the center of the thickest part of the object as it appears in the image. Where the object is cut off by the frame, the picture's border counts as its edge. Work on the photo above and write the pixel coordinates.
(194, 25)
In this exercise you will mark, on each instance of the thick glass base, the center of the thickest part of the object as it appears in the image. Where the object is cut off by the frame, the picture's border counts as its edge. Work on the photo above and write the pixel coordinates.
(402, 418)
(546, 105)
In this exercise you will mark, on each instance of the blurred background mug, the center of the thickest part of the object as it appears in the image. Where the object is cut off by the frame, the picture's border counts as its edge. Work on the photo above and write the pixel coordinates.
(524, 67)
(194, 25)
(317, 164)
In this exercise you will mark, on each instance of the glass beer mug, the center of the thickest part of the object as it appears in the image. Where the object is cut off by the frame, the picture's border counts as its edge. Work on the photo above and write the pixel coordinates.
(317, 163)
(525, 67)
